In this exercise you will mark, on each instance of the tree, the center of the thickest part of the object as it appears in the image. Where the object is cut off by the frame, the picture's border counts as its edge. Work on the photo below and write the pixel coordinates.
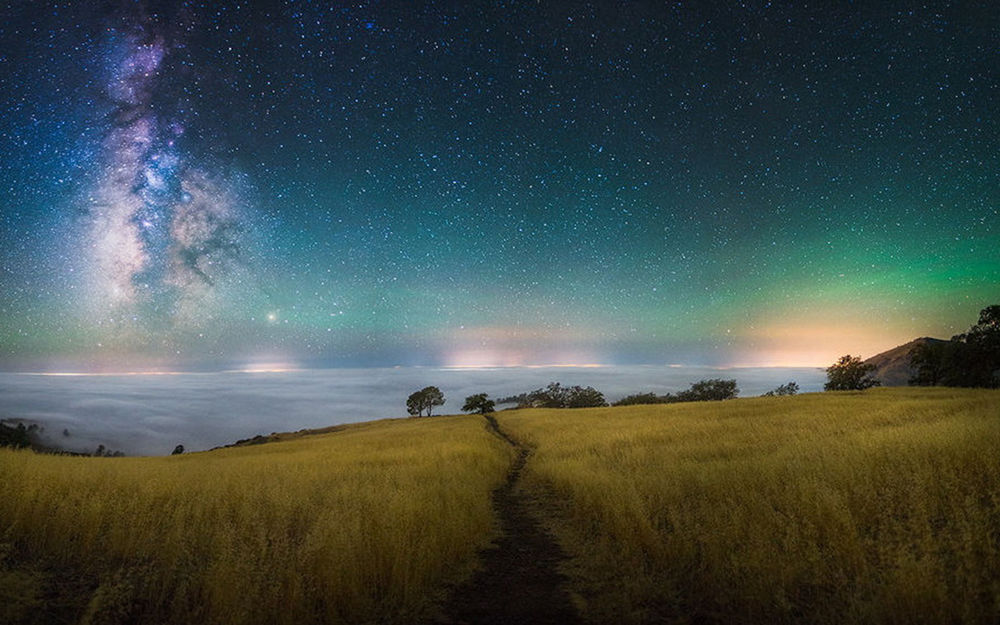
(424, 400)
(17, 436)
(704, 390)
(480, 403)
(709, 390)
(555, 395)
(432, 397)
(415, 403)
(849, 373)
(981, 351)
(640, 399)
(933, 363)
(971, 359)
(177, 450)
(791, 388)
(585, 397)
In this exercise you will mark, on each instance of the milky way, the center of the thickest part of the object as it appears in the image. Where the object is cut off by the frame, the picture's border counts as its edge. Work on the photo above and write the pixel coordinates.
(211, 184)
(161, 231)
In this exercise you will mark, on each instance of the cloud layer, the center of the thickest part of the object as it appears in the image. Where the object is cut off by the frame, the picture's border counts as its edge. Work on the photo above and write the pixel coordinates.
(150, 414)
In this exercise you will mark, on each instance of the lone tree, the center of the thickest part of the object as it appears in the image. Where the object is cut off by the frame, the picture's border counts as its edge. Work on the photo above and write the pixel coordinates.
(480, 403)
(849, 374)
(177, 450)
(424, 400)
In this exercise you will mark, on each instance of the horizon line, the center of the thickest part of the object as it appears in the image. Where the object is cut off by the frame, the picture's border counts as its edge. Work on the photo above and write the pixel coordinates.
(292, 369)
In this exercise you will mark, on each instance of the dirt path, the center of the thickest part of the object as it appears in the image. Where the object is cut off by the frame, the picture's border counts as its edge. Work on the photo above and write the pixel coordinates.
(519, 582)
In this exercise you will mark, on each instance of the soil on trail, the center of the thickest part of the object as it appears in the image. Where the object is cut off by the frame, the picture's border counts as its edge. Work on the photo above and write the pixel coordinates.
(519, 582)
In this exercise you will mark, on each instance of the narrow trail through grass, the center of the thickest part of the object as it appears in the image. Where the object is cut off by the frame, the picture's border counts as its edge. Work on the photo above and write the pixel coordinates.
(519, 581)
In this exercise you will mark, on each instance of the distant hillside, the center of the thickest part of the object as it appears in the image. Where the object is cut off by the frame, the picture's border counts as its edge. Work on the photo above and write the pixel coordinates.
(892, 367)
(277, 437)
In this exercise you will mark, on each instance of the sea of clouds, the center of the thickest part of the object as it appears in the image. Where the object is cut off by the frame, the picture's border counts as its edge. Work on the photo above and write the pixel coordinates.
(150, 414)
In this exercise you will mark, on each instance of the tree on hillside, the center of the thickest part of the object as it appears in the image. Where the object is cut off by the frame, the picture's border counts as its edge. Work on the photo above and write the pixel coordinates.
(971, 359)
(17, 436)
(982, 350)
(177, 450)
(709, 390)
(552, 396)
(432, 397)
(424, 400)
(480, 403)
(849, 373)
(585, 397)
(933, 364)
(555, 395)
(638, 399)
(791, 388)
(704, 390)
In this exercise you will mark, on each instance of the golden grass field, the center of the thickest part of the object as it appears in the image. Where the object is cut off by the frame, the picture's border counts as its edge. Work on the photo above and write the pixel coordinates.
(873, 507)
(361, 525)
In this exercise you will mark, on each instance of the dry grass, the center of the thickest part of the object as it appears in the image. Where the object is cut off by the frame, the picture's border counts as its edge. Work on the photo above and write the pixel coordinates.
(361, 525)
(875, 507)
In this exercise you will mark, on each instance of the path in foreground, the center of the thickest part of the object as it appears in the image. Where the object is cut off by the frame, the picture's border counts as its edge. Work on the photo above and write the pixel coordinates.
(519, 581)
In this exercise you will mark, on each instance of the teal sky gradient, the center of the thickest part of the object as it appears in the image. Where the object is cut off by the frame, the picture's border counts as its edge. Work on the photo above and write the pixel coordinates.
(456, 184)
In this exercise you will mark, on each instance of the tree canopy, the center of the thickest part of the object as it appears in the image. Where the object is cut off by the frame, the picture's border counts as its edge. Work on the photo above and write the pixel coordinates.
(849, 373)
(971, 359)
(555, 395)
(422, 402)
(480, 403)
(715, 389)
(17, 436)
(792, 388)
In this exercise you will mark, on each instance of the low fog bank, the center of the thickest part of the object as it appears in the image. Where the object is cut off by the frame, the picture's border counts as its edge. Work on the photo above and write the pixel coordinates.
(150, 414)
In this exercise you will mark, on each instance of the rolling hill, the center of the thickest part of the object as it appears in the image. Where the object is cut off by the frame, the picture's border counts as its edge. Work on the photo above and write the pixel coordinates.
(842, 507)
(892, 367)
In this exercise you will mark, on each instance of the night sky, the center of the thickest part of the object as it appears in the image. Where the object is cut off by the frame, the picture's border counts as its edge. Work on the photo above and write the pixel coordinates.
(228, 184)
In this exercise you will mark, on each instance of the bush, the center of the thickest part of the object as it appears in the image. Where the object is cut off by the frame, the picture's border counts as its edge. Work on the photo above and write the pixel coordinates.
(785, 389)
(705, 390)
(641, 398)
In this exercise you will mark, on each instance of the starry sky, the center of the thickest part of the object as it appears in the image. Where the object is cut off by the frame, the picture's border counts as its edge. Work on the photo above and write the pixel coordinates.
(227, 184)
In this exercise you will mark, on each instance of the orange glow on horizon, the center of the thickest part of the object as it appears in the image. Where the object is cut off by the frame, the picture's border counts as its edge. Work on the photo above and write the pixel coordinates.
(815, 344)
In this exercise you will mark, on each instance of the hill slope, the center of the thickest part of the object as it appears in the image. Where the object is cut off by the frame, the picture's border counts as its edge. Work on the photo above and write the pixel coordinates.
(892, 367)
(362, 525)
(874, 507)
(847, 507)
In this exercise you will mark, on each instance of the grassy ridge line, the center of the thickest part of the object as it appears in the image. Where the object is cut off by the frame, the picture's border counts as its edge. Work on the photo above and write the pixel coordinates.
(875, 507)
(363, 525)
